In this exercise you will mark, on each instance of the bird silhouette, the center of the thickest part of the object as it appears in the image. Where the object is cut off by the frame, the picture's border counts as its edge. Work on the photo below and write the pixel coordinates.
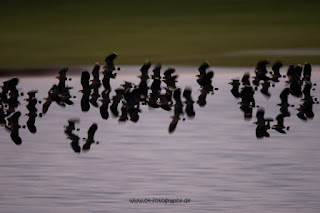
(178, 110)
(247, 101)
(189, 102)
(265, 88)
(205, 82)
(110, 62)
(276, 71)
(95, 85)
(153, 100)
(31, 106)
(95, 73)
(156, 84)
(170, 79)
(156, 72)
(202, 73)
(155, 87)
(260, 72)
(105, 104)
(90, 140)
(173, 123)
(124, 113)
(13, 126)
(306, 109)
(10, 95)
(164, 103)
(246, 79)
(86, 91)
(58, 93)
(142, 91)
(68, 130)
(307, 89)
(307, 72)
(294, 76)
(235, 88)
(279, 127)
(134, 114)
(2, 116)
(62, 78)
(115, 101)
(263, 124)
(284, 102)
(75, 143)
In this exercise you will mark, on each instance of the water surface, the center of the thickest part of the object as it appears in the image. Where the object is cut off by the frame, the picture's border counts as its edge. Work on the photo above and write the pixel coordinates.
(214, 159)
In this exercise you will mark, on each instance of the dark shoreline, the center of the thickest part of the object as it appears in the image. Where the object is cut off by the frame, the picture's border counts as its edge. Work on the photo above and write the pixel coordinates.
(76, 70)
(39, 71)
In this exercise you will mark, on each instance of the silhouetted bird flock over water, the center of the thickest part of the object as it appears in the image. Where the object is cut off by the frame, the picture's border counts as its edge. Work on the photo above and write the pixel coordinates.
(299, 86)
(162, 94)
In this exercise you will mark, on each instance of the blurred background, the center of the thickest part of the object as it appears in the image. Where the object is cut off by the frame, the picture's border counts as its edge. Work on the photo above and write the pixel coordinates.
(226, 33)
(214, 158)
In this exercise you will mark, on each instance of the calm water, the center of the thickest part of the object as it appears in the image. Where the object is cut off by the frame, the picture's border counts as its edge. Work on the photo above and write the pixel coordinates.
(214, 159)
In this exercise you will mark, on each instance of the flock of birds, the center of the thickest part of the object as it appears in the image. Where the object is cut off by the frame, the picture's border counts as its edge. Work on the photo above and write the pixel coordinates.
(131, 96)
(299, 86)
(128, 97)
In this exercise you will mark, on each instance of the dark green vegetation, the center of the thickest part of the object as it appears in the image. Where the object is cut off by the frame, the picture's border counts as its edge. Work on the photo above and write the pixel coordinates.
(44, 33)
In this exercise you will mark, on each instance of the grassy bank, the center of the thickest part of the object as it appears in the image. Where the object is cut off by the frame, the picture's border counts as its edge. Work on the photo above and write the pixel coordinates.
(46, 33)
